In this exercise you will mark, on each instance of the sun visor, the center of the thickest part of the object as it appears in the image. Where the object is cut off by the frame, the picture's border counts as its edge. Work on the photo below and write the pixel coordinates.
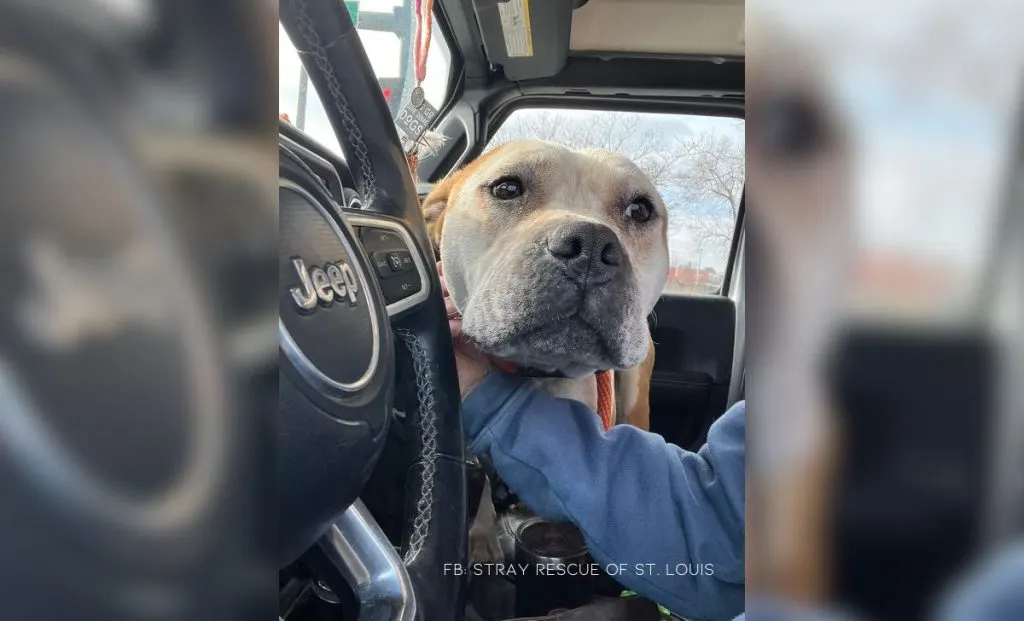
(529, 39)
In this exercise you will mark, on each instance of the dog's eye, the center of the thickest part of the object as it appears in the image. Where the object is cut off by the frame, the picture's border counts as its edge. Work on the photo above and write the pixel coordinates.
(507, 188)
(639, 210)
(789, 128)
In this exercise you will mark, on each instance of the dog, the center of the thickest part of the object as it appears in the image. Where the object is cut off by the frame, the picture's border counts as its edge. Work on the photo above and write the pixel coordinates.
(555, 257)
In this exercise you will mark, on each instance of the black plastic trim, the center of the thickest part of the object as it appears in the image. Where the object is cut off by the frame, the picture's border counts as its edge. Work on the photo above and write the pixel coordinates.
(310, 144)
(734, 245)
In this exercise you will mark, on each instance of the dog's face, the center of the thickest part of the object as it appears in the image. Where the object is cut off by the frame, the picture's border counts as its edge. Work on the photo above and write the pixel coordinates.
(554, 256)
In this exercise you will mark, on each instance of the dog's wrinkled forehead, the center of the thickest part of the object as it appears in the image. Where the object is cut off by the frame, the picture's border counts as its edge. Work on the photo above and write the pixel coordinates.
(570, 179)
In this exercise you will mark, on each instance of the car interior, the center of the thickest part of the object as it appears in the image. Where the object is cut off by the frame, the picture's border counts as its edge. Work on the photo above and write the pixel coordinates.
(578, 62)
(366, 531)
(164, 455)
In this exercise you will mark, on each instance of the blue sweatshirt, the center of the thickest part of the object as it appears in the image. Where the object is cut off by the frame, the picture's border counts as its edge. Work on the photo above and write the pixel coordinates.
(664, 522)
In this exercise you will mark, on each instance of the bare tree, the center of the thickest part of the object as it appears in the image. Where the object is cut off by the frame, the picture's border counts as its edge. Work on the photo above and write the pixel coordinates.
(713, 174)
(622, 132)
(715, 169)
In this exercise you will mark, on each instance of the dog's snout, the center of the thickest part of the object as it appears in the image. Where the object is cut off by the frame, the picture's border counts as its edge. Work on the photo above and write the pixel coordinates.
(590, 251)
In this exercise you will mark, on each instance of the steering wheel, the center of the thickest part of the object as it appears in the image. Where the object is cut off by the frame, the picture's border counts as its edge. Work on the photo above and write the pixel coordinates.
(355, 286)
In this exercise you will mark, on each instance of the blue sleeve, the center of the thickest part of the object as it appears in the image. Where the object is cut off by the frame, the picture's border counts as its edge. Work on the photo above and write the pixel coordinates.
(993, 590)
(670, 521)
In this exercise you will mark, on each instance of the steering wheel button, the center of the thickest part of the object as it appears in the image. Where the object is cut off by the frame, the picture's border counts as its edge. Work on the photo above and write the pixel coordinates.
(382, 264)
(400, 287)
(395, 261)
(375, 238)
(400, 261)
(388, 264)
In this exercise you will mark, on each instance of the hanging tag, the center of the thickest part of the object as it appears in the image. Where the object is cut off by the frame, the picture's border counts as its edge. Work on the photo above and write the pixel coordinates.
(414, 119)
(418, 98)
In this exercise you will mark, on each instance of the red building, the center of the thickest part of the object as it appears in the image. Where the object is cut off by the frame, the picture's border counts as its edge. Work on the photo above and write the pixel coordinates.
(689, 278)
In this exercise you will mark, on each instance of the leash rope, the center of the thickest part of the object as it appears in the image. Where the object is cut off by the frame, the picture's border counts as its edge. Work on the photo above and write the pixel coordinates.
(605, 399)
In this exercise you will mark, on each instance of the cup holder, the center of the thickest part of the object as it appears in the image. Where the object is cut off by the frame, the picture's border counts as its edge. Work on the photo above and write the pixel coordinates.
(554, 567)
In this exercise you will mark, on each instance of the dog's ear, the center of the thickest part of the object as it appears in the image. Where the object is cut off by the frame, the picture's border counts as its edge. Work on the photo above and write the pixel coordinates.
(434, 207)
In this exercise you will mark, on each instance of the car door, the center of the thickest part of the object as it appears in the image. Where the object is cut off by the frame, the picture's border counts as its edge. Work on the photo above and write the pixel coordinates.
(698, 336)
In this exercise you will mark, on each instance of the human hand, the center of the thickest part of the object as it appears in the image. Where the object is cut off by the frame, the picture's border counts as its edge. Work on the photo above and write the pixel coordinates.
(471, 364)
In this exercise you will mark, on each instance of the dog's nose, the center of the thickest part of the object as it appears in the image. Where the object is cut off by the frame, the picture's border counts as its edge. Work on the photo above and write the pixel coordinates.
(590, 251)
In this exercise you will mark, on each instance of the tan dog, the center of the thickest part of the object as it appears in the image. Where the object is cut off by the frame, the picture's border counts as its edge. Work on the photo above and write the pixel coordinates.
(555, 257)
(800, 178)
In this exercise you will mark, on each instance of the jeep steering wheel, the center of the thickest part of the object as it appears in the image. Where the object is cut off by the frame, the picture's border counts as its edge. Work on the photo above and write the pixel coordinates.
(352, 281)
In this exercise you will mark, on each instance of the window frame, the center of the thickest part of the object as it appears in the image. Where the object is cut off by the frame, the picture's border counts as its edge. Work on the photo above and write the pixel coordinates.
(734, 244)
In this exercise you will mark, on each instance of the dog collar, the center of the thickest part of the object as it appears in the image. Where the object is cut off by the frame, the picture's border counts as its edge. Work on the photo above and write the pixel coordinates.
(605, 397)
(513, 369)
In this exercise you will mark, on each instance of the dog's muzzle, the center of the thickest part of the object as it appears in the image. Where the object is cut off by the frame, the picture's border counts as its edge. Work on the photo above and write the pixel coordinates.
(589, 252)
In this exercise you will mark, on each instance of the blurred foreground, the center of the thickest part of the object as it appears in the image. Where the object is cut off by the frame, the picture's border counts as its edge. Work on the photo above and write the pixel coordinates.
(137, 349)
(885, 328)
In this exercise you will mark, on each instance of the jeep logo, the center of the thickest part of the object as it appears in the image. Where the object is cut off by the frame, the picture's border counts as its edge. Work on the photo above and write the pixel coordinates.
(334, 280)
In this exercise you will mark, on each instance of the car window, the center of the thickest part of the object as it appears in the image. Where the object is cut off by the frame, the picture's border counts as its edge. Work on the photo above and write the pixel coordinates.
(387, 29)
(696, 162)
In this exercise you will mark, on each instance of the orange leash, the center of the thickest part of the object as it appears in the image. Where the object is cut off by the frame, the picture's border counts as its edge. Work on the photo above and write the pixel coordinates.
(605, 405)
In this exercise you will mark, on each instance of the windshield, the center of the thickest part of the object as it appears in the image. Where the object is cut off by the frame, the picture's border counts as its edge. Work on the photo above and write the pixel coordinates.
(387, 29)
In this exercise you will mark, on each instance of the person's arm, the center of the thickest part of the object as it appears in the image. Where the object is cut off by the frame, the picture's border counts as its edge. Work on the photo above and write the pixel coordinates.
(992, 590)
(672, 518)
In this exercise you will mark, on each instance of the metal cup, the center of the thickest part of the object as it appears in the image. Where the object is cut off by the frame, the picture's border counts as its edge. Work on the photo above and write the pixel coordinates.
(554, 568)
